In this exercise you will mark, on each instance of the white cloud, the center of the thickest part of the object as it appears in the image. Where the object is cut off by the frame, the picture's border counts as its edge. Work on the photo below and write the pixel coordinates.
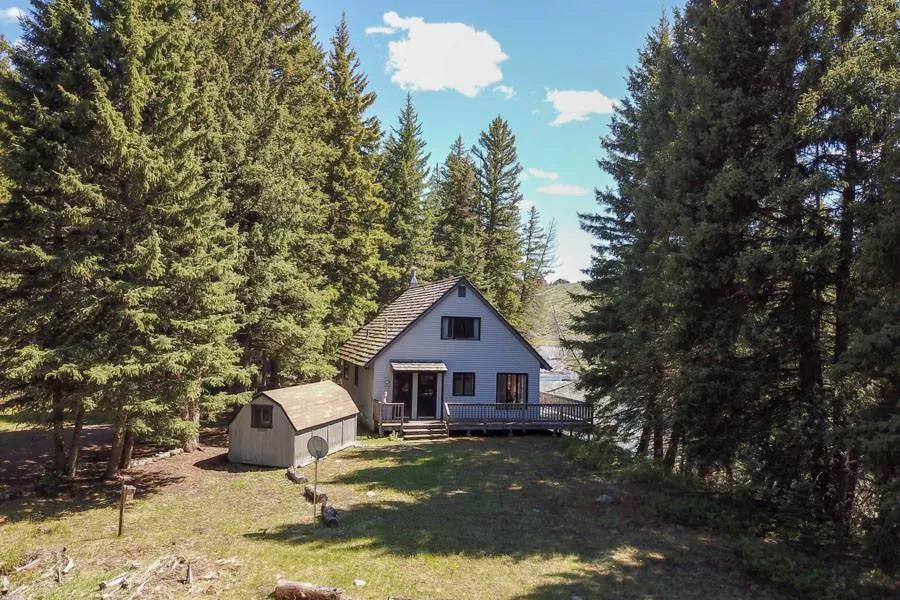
(525, 205)
(375, 30)
(543, 174)
(562, 189)
(507, 90)
(11, 15)
(441, 56)
(578, 105)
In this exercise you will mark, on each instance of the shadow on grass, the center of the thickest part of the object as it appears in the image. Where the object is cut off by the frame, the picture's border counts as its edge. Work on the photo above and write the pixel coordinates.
(516, 498)
(221, 463)
(82, 495)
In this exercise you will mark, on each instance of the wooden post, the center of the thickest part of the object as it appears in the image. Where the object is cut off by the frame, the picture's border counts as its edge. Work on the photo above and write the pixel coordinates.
(315, 490)
(126, 493)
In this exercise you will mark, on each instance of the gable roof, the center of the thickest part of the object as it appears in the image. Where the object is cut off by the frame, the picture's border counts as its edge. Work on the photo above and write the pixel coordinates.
(398, 316)
(313, 404)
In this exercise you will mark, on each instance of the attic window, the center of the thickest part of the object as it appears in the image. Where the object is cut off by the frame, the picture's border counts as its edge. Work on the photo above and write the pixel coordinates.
(460, 328)
(261, 416)
(461, 291)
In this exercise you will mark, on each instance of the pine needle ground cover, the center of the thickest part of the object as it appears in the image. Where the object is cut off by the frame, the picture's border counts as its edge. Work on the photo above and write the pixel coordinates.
(492, 517)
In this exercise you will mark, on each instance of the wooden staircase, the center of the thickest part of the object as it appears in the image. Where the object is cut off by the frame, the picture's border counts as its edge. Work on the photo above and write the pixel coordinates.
(424, 430)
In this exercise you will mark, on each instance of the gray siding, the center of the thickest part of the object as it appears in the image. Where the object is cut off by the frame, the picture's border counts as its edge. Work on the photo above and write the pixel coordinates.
(339, 435)
(498, 351)
(269, 447)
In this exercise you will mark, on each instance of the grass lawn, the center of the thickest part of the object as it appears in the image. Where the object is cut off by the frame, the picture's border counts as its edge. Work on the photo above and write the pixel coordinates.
(492, 517)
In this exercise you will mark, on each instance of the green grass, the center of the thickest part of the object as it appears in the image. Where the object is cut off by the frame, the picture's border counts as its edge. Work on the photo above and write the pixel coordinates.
(492, 517)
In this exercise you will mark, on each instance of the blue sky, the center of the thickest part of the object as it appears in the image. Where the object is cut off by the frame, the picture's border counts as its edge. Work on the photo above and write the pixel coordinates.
(552, 69)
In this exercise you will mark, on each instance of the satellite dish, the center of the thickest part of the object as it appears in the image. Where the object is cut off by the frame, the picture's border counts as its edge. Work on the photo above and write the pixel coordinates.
(317, 447)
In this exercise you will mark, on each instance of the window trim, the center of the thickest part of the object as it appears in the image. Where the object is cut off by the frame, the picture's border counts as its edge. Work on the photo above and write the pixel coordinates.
(463, 375)
(445, 318)
(260, 423)
(499, 389)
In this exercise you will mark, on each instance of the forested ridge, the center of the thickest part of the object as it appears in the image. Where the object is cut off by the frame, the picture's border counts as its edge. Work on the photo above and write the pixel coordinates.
(741, 316)
(198, 204)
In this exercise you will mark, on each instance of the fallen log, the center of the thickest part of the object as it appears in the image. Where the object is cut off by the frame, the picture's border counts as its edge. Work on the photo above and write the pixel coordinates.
(120, 581)
(70, 564)
(299, 590)
(329, 515)
(29, 565)
(296, 476)
(320, 498)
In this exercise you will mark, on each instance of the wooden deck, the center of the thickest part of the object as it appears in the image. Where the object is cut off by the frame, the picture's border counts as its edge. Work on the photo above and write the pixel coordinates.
(474, 416)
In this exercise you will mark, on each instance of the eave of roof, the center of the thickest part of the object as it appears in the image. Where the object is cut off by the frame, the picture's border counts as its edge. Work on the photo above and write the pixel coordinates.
(450, 284)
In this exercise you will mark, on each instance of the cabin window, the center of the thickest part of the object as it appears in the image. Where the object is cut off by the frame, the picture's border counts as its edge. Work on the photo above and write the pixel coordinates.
(356, 375)
(261, 416)
(512, 388)
(346, 370)
(464, 384)
(460, 328)
(461, 291)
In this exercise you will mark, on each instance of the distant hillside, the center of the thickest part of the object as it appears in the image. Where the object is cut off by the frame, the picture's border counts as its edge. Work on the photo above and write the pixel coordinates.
(556, 308)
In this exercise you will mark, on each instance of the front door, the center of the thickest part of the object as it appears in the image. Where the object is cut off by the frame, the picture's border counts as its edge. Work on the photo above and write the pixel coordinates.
(426, 403)
(403, 392)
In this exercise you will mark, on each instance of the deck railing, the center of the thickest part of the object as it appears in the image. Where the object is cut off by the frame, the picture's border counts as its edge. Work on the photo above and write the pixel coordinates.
(388, 412)
(556, 415)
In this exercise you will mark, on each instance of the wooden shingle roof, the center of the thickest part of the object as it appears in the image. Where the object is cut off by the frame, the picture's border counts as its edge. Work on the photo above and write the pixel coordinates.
(393, 319)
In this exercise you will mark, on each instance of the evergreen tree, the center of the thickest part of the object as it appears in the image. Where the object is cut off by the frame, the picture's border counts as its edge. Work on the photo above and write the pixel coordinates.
(53, 333)
(265, 74)
(403, 176)
(355, 212)
(458, 233)
(498, 172)
(623, 331)
(538, 260)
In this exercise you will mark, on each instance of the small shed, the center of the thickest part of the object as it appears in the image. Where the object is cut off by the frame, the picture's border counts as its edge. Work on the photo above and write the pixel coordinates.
(273, 429)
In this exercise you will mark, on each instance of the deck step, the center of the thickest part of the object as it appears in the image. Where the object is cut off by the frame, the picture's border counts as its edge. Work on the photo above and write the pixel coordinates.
(424, 436)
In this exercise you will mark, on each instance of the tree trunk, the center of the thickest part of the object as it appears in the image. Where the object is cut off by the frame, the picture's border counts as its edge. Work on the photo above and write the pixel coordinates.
(127, 448)
(297, 590)
(58, 418)
(657, 434)
(115, 457)
(75, 442)
(838, 501)
(672, 450)
(644, 442)
(192, 414)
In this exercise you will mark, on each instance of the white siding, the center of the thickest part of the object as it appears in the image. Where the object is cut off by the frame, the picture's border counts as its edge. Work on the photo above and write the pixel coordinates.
(498, 351)
(362, 394)
(269, 447)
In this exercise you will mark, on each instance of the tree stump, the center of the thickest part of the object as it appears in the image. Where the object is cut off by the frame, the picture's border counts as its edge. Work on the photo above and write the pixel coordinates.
(296, 476)
(329, 515)
(299, 590)
(320, 498)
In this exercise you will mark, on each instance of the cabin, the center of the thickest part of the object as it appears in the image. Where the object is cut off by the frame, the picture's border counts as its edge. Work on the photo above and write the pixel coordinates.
(440, 358)
(274, 428)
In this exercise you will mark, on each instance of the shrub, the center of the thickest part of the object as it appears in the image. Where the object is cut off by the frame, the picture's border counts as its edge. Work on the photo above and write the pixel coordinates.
(792, 571)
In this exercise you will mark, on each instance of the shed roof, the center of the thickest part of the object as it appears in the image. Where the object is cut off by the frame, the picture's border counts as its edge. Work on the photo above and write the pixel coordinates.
(313, 404)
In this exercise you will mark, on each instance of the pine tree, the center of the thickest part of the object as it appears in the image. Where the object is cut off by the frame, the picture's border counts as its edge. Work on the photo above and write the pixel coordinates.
(497, 171)
(458, 234)
(404, 171)
(51, 227)
(265, 72)
(538, 260)
(624, 329)
(355, 212)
